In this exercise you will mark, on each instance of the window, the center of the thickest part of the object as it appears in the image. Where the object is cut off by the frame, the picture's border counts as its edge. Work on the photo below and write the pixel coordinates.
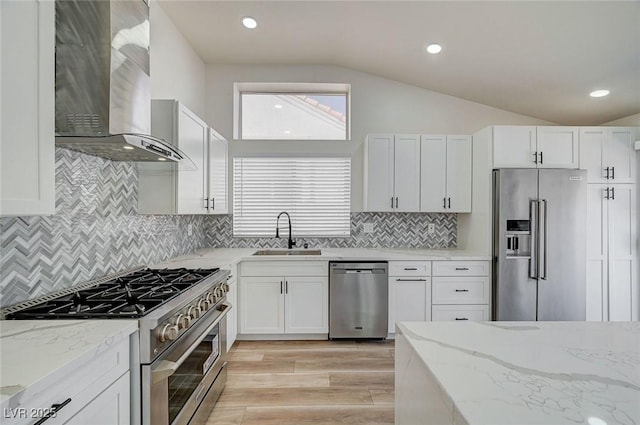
(273, 111)
(316, 192)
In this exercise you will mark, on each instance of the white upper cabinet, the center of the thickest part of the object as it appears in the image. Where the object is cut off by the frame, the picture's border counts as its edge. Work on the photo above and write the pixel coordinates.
(177, 189)
(514, 146)
(445, 174)
(557, 147)
(535, 147)
(607, 153)
(218, 172)
(392, 173)
(27, 149)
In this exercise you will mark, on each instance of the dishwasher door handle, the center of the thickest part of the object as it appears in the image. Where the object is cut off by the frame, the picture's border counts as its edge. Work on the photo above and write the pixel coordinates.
(368, 271)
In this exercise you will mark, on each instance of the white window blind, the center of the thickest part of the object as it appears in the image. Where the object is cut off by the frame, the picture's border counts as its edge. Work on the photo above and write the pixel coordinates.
(316, 192)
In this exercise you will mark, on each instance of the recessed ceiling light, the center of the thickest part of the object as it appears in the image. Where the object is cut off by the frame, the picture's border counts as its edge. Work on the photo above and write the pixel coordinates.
(129, 148)
(599, 93)
(162, 159)
(434, 48)
(249, 22)
(287, 132)
(277, 106)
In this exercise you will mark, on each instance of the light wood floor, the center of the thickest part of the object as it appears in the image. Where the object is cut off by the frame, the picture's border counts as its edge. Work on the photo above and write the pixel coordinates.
(307, 382)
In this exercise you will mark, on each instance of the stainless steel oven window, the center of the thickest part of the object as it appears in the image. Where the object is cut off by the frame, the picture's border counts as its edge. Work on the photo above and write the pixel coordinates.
(191, 373)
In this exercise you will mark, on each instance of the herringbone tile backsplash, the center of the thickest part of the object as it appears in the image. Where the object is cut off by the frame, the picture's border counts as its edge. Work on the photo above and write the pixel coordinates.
(96, 231)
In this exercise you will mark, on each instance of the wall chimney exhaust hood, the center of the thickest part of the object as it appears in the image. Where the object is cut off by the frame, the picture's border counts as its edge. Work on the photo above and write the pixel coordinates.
(103, 89)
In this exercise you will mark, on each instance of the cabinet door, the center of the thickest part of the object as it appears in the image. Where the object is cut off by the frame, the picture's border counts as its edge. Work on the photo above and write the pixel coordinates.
(596, 295)
(514, 146)
(111, 407)
(558, 146)
(192, 140)
(261, 305)
(407, 173)
(459, 174)
(218, 160)
(27, 159)
(623, 257)
(592, 146)
(378, 181)
(232, 316)
(619, 155)
(433, 173)
(306, 305)
(409, 300)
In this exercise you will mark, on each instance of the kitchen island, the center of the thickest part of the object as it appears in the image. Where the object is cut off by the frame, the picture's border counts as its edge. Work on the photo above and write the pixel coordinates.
(505, 373)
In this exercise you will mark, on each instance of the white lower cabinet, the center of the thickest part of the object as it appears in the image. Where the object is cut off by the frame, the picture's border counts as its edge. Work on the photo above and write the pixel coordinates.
(277, 298)
(461, 290)
(95, 392)
(232, 316)
(476, 313)
(409, 292)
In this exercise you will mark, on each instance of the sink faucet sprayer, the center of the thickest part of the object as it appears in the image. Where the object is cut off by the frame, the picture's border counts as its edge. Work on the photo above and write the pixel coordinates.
(290, 242)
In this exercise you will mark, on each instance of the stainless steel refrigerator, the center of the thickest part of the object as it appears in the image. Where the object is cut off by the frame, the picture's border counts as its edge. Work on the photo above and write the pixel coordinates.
(539, 244)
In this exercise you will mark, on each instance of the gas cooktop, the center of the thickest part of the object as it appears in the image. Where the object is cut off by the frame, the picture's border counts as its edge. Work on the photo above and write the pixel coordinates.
(129, 296)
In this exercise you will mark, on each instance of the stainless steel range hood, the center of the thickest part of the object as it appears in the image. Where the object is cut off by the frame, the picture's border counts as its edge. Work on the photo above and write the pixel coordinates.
(103, 89)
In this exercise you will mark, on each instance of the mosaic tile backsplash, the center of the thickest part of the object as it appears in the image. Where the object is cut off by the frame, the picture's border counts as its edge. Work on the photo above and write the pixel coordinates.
(96, 231)
(390, 230)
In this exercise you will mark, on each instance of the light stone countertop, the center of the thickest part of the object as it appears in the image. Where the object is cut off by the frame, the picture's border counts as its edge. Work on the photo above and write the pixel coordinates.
(35, 354)
(225, 257)
(505, 373)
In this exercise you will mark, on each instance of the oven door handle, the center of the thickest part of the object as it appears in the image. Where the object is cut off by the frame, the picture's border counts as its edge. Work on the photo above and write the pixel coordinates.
(166, 368)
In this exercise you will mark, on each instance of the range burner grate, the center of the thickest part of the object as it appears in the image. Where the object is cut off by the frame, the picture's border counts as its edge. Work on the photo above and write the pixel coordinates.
(129, 296)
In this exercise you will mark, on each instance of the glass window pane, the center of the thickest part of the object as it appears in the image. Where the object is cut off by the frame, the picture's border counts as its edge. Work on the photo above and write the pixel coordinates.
(286, 116)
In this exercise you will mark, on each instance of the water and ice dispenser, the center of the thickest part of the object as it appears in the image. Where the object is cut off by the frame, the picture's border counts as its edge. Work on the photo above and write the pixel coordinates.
(518, 236)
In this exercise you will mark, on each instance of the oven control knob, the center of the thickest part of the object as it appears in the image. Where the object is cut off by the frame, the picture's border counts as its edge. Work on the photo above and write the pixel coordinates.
(218, 291)
(203, 304)
(181, 321)
(193, 312)
(211, 297)
(225, 286)
(169, 333)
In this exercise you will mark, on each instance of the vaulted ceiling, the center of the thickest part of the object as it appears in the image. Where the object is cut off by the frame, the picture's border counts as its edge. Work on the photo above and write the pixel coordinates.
(535, 58)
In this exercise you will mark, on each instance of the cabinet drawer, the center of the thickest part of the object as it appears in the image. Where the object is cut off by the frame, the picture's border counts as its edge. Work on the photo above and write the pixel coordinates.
(285, 268)
(461, 290)
(475, 313)
(82, 383)
(409, 268)
(460, 268)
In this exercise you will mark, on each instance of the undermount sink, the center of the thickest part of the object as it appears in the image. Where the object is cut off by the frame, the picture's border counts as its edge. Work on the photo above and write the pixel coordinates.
(288, 252)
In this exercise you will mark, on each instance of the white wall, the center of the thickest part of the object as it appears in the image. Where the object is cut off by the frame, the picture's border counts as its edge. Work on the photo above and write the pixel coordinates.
(630, 121)
(177, 72)
(378, 105)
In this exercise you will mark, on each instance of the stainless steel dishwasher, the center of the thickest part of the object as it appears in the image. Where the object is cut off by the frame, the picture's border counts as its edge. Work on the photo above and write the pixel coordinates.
(358, 300)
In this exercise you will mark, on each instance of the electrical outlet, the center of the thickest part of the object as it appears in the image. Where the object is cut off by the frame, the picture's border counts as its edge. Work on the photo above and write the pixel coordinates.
(189, 229)
(367, 227)
(431, 228)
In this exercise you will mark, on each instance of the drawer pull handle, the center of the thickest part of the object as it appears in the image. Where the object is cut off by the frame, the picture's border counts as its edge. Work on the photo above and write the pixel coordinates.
(53, 410)
(462, 268)
(461, 318)
(411, 268)
(462, 290)
(410, 280)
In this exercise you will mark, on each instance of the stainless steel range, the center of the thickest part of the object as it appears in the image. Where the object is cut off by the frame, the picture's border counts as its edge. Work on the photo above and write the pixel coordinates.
(182, 330)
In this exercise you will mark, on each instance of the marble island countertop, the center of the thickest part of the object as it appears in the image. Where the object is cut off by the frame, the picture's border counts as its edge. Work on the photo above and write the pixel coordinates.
(224, 257)
(35, 354)
(506, 373)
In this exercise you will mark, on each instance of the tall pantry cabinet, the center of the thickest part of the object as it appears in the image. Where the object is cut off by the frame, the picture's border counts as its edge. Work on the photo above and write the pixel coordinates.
(607, 153)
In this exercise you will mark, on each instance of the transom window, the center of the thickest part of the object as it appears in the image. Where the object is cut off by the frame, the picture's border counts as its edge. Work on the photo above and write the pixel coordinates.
(275, 111)
(316, 192)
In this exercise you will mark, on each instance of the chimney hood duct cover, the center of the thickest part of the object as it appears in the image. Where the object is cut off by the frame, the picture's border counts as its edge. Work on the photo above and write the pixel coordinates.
(103, 89)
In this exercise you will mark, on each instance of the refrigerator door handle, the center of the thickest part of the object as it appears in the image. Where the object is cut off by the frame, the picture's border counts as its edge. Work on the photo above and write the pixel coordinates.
(542, 269)
(533, 262)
